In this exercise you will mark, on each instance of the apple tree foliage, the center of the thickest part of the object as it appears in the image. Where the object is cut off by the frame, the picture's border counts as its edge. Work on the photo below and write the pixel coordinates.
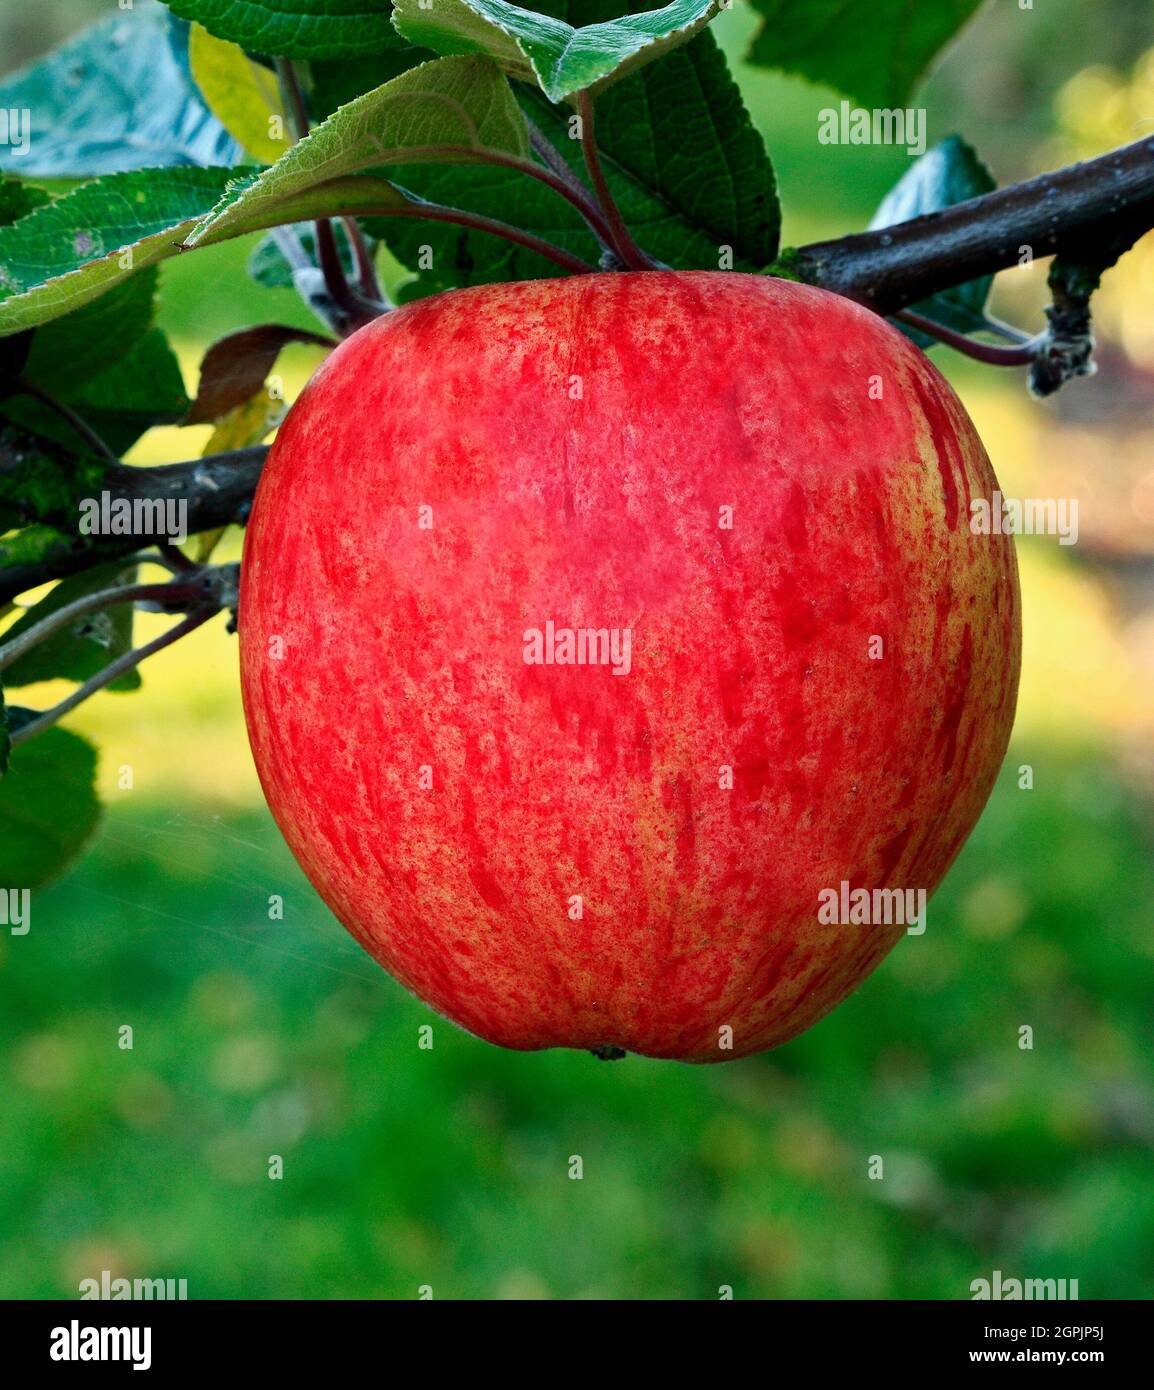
(478, 141)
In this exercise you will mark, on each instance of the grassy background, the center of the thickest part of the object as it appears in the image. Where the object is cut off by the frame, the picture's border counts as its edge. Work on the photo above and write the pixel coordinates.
(449, 1167)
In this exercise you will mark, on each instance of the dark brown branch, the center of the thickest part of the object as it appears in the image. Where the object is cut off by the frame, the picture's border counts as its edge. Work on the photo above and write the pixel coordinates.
(1109, 199)
(218, 490)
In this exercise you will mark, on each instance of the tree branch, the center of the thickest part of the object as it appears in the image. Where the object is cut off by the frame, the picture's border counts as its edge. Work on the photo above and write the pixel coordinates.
(218, 490)
(1109, 200)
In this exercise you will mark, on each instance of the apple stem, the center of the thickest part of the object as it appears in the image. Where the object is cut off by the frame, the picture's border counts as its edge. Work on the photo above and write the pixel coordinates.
(1021, 355)
(623, 244)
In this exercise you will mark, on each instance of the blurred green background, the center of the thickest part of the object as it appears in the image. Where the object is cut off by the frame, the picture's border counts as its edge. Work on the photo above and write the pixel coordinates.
(449, 1168)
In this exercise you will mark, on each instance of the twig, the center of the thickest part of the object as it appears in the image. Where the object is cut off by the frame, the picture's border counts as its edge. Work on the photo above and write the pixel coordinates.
(990, 353)
(111, 672)
(622, 241)
(174, 596)
(217, 489)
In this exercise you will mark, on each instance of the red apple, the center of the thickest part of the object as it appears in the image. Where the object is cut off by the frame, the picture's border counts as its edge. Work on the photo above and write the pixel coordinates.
(767, 488)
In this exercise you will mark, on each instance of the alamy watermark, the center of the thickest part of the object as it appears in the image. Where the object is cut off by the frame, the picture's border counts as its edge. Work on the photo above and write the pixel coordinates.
(76, 1343)
(16, 129)
(580, 646)
(108, 1289)
(859, 907)
(855, 125)
(16, 910)
(134, 516)
(1025, 516)
(998, 1287)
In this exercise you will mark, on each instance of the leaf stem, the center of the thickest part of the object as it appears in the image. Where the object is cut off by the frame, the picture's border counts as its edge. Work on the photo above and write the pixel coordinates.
(566, 182)
(174, 557)
(434, 212)
(79, 427)
(353, 310)
(338, 288)
(362, 257)
(622, 241)
(114, 669)
(569, 189)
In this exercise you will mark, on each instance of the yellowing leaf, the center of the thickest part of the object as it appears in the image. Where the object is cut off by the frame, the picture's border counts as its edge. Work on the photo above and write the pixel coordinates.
(241, 94)
(248, 423)
(243, 426)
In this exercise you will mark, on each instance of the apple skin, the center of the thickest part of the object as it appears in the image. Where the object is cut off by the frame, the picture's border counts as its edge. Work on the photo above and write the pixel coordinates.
(576, 439)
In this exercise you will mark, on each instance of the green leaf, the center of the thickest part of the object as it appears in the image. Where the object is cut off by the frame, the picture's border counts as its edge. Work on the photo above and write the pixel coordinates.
(32, 545)
(949, 173)
(560, 58)
(873, 50)
(18, 199)
(242, 93)
(5, 736)
(296, 28)
(144, 389)
(452, 110)
(116, 97)
(74, 249)
(94, 338)
(48, 807)
(108, 363)
(41, 483)
(85, 646)
(333, 84)
(684, 161)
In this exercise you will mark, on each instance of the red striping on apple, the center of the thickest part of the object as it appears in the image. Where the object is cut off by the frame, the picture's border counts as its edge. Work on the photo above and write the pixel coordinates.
(767, 488)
